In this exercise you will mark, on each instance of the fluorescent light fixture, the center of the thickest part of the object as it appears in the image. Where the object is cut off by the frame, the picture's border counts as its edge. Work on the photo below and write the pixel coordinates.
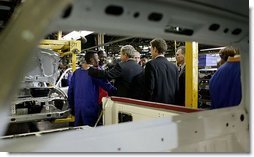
(74, 35)
(146, 47)
(210, 49)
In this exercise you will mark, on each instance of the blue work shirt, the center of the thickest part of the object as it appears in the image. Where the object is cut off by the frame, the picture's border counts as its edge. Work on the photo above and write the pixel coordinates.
(83, 94)
(225, 86)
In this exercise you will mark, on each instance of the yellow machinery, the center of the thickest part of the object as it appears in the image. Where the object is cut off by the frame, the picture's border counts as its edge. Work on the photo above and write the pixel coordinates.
(64, 48)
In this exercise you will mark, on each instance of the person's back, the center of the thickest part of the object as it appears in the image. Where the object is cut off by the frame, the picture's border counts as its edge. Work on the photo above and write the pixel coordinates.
(161, 76)
(129, 70)
(165, 77)
(137, 86)
(225, 84)
(83, 93)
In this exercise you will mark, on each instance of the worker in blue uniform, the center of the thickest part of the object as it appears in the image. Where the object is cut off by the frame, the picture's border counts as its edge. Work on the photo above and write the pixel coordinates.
(83, 93)
(225, 84)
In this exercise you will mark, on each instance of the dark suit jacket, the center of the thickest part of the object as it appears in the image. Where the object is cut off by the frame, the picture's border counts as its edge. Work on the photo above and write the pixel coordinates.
(137, 86)
(161, 81)
(123, 73)
(181, 93)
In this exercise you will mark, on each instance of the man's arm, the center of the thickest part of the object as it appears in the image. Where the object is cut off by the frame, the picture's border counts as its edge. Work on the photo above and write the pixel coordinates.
(97, 73)
(113, 73)
(149, 81)
(177, 90)
(107, 86)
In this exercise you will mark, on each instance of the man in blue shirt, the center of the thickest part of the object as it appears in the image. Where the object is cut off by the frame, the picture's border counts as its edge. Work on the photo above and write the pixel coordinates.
(225, 84)
(83, 93)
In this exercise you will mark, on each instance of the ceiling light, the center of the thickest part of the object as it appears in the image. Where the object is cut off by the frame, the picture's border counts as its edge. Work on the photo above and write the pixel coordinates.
(74, 35)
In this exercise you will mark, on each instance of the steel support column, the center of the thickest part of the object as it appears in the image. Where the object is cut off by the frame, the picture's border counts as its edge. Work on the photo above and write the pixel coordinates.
(191, 74)
(59, 35)
(100, 40)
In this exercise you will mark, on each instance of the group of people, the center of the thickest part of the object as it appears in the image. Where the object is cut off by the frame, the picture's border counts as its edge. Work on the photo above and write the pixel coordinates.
(142, 60)
(158, 81)
(224, 86)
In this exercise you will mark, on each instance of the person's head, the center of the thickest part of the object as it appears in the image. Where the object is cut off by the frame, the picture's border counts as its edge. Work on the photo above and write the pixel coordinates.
(143, 60)
(137, 56)
(180, 53)
(91, 57)
(127, 52)
(225, 53)
(102, 56)
(158, 47)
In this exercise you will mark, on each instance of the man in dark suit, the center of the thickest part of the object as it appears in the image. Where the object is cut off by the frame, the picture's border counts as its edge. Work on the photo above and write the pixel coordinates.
(180, 60)
(122, 72)
(161, 76)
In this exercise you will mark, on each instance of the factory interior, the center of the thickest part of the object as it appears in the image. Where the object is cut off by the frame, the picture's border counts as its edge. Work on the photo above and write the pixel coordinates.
(48, 93)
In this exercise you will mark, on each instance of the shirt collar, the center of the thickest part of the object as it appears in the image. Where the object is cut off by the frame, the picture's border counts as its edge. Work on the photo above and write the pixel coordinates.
(161, 55)
(181, 65)
(234, 59)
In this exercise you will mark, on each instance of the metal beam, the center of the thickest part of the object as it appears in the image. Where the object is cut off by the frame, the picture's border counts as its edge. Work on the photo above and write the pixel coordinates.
(59, 35)
(100, 40)
(108, 43)
(75, 47)
(191, 75)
